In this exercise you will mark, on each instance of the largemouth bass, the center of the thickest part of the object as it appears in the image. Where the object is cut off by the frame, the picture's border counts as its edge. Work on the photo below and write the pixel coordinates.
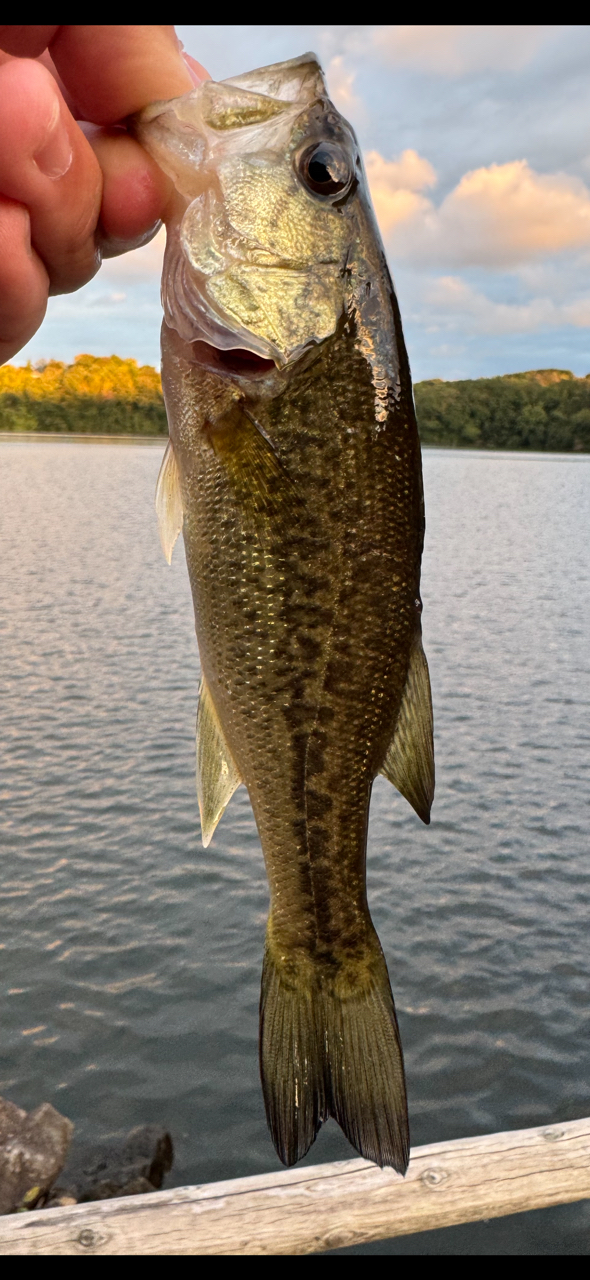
(294, 472)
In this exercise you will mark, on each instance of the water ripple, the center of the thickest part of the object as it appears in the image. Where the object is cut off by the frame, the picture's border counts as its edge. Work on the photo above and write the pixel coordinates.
(130, 957)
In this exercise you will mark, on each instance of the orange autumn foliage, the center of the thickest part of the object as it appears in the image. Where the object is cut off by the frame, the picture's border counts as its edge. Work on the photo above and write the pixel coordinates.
(97, 394)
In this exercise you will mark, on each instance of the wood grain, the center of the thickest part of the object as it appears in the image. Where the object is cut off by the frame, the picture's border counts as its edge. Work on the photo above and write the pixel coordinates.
(319, 1207)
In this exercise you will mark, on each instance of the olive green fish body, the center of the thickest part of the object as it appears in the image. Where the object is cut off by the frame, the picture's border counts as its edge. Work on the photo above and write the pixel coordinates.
(301, 495)
(305, 614)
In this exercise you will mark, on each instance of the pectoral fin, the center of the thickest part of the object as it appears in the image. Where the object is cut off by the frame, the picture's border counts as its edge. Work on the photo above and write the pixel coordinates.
(169, 502)
(409, 763)
(217, 775)
(254, 471)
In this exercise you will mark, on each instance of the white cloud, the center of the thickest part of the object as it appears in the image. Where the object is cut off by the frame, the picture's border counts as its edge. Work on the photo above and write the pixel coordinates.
(558, 277)
(144, 263)
(578, 313)
(395, 187)
(340, 81)
(107, 299)
(451, 303)
(454, 301)
(460, 50)
(499, 216)
(508, 213)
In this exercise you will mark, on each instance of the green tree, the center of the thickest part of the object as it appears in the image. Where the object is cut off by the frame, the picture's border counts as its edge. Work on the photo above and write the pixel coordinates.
(543, 409)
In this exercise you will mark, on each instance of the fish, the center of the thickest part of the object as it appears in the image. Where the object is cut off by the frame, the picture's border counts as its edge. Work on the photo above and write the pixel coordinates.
(293, 471)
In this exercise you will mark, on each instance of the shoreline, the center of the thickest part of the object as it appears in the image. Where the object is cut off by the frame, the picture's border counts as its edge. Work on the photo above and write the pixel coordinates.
(85, 437)
(82, 437)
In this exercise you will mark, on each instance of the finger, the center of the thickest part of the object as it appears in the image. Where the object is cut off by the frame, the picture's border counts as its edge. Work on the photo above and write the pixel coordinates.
(47, 165)
(23, 280)
(34, 41)
(112, 71)
(45, 60)
(135, 191)
(26, 42)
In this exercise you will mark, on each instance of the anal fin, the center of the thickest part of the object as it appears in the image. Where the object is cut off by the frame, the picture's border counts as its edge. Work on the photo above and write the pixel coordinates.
(409, 763)
(217, 774)
(169, 502)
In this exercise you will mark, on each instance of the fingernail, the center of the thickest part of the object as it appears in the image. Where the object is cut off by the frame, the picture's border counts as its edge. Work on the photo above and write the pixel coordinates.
(196, 72)
(54, 157)
(113, 246)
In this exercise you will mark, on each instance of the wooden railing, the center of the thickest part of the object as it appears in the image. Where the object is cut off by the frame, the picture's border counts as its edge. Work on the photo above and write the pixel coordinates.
(325, 1206)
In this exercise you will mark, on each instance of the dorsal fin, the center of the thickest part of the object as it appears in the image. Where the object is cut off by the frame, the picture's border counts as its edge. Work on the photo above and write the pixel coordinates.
(409, 763)
(217, 774)
(169, 502)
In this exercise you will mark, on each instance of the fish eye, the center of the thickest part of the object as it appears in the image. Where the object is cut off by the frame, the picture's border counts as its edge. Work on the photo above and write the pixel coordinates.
(325, 169)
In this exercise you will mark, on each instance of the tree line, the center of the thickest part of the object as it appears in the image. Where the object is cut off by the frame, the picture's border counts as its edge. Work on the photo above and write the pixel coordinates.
(545, 409)
(101, 395)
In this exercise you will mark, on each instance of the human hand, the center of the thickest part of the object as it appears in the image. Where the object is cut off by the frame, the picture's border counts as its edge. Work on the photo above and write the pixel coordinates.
(74, 186)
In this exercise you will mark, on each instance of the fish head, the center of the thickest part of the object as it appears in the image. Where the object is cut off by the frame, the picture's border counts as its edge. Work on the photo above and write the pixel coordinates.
(269, 182)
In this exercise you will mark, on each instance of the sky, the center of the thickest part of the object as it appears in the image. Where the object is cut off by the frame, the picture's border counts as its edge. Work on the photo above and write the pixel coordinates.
(476, 142)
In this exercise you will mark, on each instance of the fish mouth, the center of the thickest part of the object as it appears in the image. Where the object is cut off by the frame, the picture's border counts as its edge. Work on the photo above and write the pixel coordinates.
(235, 360)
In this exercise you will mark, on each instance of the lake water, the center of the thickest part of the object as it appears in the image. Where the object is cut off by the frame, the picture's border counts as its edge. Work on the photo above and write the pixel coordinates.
(130, 957)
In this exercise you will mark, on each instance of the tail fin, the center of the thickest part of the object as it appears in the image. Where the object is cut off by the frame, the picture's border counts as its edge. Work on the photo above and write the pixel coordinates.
(323, 1055)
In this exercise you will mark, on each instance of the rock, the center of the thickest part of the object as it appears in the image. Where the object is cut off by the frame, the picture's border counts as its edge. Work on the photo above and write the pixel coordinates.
(148, 1148)
(134, 1168)
(33, 1150)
